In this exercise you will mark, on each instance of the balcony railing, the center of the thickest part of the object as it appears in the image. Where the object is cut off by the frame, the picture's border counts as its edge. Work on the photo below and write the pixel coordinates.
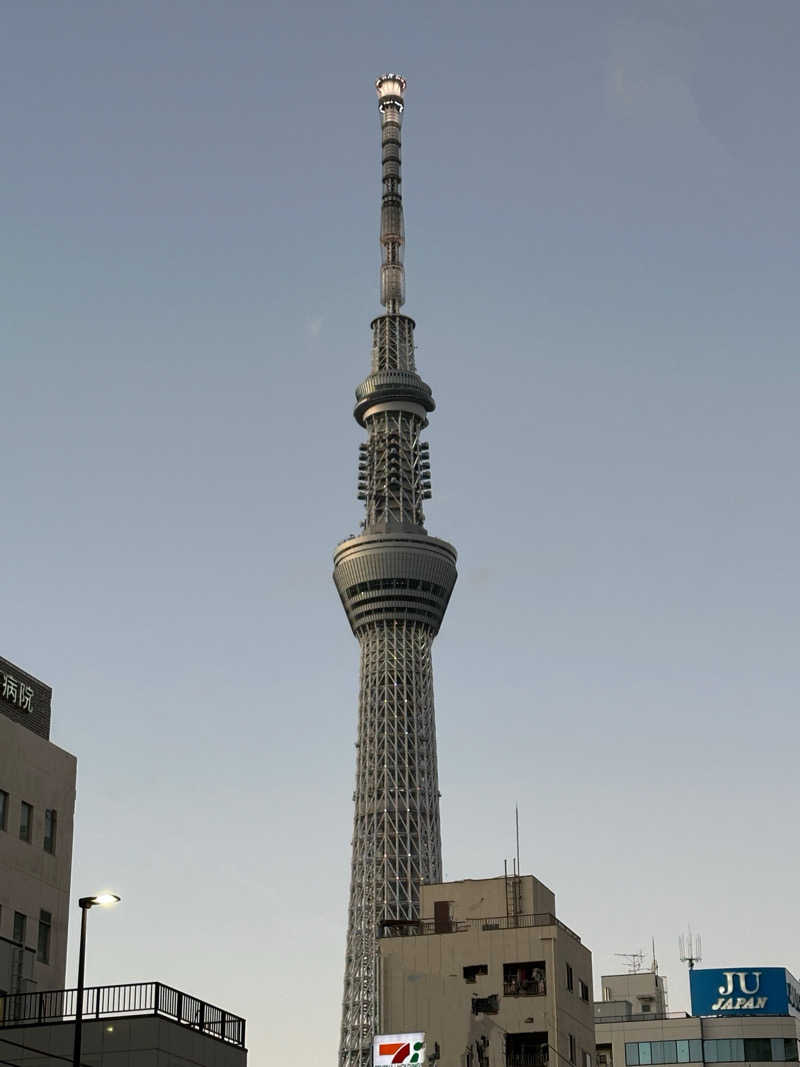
(140, 998)
(641, 1017)
(513, 987)
(422, 927)
(527, 1059)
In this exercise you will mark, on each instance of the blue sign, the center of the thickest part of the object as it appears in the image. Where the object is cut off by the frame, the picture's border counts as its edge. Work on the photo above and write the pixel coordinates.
(744, 991)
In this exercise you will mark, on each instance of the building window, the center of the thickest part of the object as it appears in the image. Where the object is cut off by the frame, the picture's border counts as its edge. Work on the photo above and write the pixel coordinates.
(20, 922)
(524, 979)
(573, 1049)
(583, 990)
(587, 1059)
(3, 809)
(658, 1053)
(715, 1050)
(486, 1005)
(25, 821)
(756, 1049)
(527, 1050)
(570, 979)
(43, 946)
(473, 970)
(50, 821)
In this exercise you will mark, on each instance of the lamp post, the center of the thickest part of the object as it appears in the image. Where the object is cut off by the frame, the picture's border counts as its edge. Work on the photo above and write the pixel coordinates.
(103, 900)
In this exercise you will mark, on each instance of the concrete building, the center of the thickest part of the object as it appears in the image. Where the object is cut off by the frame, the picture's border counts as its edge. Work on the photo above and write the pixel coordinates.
(492, 977)
(741, 1015)
(636, 993)
(143, 1025)
(37, 804)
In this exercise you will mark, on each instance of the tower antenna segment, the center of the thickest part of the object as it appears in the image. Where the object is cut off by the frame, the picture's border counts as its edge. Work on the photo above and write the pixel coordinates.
(691, 949)
(395, 582)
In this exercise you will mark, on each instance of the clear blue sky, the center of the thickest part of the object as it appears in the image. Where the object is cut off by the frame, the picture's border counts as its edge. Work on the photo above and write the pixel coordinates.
(603, 231)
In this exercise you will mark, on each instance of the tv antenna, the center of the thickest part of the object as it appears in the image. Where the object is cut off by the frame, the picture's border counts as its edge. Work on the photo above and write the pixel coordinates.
(691, 949)
(635, 960)
(516, 818)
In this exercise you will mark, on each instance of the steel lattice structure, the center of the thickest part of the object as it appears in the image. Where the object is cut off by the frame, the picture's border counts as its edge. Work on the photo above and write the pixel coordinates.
(395, 582)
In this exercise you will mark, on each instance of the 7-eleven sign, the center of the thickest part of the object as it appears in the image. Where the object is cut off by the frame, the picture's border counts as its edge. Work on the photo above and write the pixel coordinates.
(398, 1048)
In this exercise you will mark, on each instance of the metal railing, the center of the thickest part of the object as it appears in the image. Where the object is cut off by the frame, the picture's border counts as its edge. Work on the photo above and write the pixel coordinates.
(139, 998)
(527, 1059)
(641, 1017)
(513, 987)
(423, 927)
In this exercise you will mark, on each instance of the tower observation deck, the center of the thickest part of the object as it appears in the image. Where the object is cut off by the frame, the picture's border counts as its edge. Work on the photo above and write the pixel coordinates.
(395, 582)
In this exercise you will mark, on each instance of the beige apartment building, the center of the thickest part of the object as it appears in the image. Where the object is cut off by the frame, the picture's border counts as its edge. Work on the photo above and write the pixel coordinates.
(491, 977)
(37, 803)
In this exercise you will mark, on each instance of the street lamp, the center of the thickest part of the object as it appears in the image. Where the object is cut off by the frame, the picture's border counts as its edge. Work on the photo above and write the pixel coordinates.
(103, 900)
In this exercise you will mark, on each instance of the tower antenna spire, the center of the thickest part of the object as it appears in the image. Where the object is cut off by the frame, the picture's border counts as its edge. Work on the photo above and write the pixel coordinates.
(391, 88)
(395, 582)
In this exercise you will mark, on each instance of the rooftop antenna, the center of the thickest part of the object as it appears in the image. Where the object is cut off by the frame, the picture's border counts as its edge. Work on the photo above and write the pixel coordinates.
(516, 814)
(655, 961)
(635, 960)
(691, 949)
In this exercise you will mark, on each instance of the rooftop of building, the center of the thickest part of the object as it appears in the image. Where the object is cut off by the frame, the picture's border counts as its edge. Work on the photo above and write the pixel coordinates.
(504, 902)
(136, 999)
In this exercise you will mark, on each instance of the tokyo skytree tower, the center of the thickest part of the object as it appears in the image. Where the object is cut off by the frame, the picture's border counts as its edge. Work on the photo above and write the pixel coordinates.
(395, 581)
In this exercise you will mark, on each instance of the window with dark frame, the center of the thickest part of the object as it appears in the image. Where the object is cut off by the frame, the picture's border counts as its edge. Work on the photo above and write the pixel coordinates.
(486, 1005)
(25, 821)
(583, 990)
(528, 1049)
(473, 970)
(524, 979)
(3, 809)
(570, 979)
(43, 944)
(50, 823)
(573, 1049)
(20, 922)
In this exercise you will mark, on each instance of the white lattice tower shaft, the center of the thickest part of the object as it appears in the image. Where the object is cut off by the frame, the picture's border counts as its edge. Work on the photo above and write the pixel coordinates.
(395, 582)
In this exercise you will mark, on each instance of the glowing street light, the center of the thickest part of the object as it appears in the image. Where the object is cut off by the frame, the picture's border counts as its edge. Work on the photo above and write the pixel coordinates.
(102, 900)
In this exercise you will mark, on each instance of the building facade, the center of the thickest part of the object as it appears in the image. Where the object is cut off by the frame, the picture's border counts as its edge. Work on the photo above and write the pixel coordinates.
(394, 581)
(37, 804)
(491, 977)
(739, 1015)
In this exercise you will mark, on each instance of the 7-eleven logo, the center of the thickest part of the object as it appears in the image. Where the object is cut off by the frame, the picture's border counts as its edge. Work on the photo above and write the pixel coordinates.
(398, 1048)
